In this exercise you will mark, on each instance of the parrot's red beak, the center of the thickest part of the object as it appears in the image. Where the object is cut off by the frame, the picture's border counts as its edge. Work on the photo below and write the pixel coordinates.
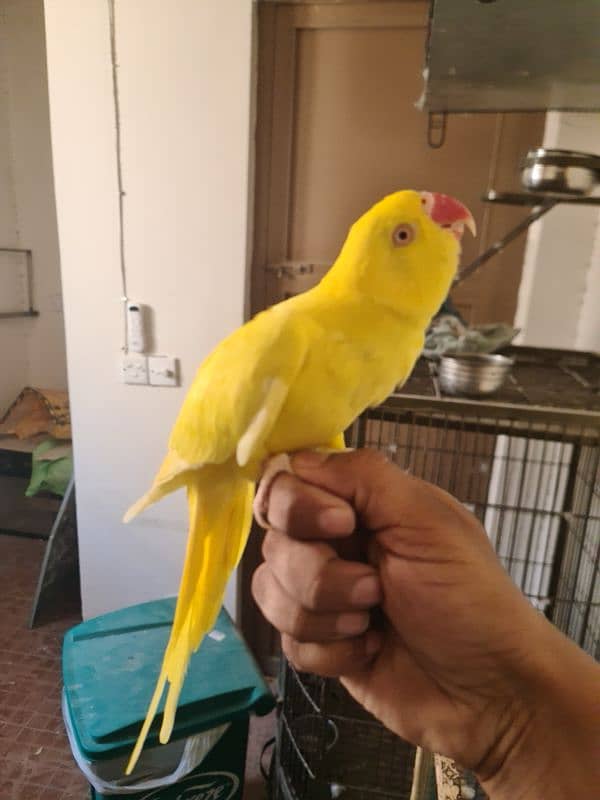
(448, 213)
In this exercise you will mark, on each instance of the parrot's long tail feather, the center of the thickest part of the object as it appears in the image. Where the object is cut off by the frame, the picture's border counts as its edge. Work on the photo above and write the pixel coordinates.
(171, 476)
(220, 510)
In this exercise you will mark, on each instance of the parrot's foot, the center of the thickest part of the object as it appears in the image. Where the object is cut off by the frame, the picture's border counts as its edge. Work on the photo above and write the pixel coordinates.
(272, 468)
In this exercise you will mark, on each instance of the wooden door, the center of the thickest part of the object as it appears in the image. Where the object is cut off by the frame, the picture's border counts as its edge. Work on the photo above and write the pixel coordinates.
(337, 128)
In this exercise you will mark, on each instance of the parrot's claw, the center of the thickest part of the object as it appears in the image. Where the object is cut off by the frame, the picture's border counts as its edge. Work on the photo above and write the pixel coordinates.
(272, 468)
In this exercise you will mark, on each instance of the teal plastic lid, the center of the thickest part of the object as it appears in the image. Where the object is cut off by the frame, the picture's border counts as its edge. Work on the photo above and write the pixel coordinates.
(111, 663)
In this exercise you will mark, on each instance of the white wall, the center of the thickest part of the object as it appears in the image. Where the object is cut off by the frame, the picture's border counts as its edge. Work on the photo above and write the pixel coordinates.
(185, 79)
(13, 342)
(588, 330)
(560, 288)
(33, 350)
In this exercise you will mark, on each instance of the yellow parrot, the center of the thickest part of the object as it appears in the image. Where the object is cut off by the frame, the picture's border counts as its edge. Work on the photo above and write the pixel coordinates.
(295, 377)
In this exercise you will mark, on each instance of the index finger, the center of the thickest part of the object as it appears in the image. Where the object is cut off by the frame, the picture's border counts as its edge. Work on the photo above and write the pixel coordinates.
(304, 511)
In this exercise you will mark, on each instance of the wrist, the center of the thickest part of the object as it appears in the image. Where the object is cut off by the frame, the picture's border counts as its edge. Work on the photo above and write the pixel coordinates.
(550, 749)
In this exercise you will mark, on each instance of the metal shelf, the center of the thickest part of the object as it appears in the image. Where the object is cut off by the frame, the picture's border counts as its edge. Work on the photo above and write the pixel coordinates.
(539, 199)
(539, 203)
(15, 314)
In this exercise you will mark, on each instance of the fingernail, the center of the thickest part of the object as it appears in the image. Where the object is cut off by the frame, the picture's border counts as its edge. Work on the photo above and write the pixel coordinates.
(309, 459)
(366, 591)
(352, 624)
(336, 520)
(373, 643)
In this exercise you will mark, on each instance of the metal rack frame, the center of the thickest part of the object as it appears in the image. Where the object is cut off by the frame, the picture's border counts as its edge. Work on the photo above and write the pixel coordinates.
(529, 469)
(541, 203)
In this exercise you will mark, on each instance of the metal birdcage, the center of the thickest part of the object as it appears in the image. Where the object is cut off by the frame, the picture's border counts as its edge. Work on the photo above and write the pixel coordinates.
(527, 464)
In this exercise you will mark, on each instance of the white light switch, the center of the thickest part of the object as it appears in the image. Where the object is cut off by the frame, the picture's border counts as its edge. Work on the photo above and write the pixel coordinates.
(163, 371)
(134, 368)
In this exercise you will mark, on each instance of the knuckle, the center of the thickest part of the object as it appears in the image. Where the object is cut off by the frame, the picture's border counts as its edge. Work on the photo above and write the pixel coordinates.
(312, 593)
(283, 498)
(291, 651)
(302, 656)
(257, 585)
(315, 589)
(330, 660)
(268, 545)
(296, 505)
(296, 622)
(372, 459)
(296, 510)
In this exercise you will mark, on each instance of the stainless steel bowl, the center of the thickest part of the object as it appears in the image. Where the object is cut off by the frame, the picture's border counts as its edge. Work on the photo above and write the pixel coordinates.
(472, 374)
(560, 172)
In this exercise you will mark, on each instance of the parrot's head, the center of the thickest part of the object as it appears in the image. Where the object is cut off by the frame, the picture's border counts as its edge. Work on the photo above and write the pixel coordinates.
(404, 251)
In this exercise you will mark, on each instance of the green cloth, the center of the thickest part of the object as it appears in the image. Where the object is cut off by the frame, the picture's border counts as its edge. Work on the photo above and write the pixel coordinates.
(49, 475)
(448, 334)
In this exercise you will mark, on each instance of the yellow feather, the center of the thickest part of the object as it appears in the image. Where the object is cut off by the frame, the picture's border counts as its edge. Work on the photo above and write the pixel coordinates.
(220, 508)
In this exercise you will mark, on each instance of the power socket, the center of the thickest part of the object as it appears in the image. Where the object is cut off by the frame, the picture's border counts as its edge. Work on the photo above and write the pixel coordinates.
(134, 368)
(163, 371)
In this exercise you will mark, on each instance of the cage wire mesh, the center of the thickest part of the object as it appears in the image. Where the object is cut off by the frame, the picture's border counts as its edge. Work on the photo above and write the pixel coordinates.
(328, 746)
(528, 466)
(534, 485)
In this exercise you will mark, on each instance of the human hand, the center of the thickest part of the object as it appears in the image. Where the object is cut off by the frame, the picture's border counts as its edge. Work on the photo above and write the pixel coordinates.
(455, 667)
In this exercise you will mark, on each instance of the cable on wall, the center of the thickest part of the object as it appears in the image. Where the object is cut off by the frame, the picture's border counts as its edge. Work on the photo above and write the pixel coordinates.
(119, 160)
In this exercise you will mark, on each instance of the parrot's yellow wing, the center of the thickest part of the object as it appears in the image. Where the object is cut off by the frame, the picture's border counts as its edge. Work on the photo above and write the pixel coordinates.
(246, 375)
(234, 400)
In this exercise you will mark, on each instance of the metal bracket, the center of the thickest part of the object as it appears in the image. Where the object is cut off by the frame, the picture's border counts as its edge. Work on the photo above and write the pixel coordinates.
(539, 203)
(436, 129)
(292, 269)
(29, 311)
(497, 247)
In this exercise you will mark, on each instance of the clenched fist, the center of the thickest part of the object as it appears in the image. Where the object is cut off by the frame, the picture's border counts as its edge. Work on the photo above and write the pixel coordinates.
(458, 662)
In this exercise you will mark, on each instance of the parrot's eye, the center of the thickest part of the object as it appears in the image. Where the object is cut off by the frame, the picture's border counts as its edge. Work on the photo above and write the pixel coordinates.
(403, 235)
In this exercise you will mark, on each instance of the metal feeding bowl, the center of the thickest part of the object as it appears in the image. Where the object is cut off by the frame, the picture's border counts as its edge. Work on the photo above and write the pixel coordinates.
(560, 172)
(473, 374)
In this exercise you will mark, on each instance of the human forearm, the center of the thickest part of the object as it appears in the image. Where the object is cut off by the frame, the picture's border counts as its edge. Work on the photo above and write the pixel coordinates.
(553, 749)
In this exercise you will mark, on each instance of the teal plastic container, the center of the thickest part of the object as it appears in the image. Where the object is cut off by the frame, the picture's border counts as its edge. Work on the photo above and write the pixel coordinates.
(110, 666)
